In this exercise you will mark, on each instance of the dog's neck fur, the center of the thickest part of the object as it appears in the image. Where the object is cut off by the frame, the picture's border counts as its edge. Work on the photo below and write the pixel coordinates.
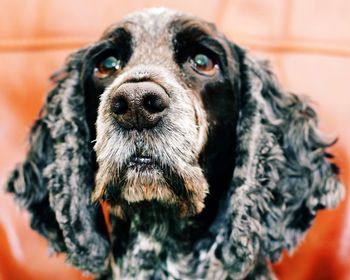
(159, 245)
(144, 256)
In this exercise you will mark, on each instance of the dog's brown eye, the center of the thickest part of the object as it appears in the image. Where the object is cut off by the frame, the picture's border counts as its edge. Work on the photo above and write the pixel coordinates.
(107, 67)
(203, 64)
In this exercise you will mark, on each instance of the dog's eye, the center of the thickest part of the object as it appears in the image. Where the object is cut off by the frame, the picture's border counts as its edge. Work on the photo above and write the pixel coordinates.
(203, 64)
(107, 67)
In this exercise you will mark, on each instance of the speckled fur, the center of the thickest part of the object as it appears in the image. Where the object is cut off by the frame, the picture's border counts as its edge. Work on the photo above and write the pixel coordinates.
(281, 176)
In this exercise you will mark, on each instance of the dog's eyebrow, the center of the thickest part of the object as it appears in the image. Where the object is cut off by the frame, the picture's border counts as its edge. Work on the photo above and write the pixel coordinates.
(193, 28)
(115, 33)
(115, 36)
(189, 32)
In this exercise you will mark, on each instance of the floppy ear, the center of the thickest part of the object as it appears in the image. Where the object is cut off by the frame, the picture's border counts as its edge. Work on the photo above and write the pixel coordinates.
(55, 181)
(289, 163)
(282, 172)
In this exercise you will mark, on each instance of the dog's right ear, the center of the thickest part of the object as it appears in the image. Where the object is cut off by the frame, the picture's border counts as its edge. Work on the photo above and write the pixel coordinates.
(55, 181)
(29, 185)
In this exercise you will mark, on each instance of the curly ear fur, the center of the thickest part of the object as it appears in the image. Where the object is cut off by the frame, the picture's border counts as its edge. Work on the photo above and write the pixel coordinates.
(30, 187)
(291, 163)
(55, 181)
(281, 177)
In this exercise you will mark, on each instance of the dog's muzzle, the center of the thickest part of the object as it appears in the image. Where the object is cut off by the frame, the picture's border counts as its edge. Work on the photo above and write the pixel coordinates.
(150, 131)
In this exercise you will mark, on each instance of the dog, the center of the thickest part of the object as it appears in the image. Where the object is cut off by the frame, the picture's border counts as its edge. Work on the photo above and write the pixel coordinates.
(208, 167)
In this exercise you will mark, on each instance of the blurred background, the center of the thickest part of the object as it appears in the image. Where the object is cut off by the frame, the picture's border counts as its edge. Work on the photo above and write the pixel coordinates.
(307, 42)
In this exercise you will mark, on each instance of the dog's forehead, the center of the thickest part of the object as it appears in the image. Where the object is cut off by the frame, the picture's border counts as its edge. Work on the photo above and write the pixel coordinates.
(153, 21)
(153, 30)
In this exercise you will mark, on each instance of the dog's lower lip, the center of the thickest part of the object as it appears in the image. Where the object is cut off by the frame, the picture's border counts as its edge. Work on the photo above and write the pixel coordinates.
(143, 160)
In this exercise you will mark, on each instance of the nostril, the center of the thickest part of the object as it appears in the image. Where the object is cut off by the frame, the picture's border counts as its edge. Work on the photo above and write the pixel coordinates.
(154, 103)
(120, 105)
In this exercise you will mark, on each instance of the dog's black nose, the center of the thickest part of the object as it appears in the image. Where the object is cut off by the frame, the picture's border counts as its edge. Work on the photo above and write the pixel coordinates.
(139, 105)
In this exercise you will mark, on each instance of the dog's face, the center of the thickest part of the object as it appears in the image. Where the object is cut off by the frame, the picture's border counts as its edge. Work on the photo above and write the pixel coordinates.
(161, 93)
(165, 115)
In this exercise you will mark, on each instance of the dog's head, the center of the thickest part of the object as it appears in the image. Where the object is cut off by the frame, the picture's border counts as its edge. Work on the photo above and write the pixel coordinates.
(164, 109)
(167, 112)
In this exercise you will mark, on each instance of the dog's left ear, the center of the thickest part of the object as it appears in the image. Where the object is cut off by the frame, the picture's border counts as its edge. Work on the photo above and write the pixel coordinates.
(292, 170)
(283, 173)
(55, 181)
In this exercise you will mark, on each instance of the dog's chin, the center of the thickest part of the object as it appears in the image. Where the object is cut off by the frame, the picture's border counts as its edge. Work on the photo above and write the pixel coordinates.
(144, 181)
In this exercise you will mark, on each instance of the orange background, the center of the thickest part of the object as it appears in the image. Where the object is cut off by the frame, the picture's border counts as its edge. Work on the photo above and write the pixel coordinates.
(308, 43)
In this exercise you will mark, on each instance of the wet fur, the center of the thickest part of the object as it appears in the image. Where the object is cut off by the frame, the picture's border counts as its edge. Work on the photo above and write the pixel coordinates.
(258, 153)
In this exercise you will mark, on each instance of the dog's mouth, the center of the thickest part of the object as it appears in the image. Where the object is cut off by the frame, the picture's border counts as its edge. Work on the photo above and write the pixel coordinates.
(142, 162)
(145, 176)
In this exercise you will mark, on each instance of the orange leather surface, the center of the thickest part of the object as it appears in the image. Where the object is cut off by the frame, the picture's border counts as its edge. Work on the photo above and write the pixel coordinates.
(308, 43)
